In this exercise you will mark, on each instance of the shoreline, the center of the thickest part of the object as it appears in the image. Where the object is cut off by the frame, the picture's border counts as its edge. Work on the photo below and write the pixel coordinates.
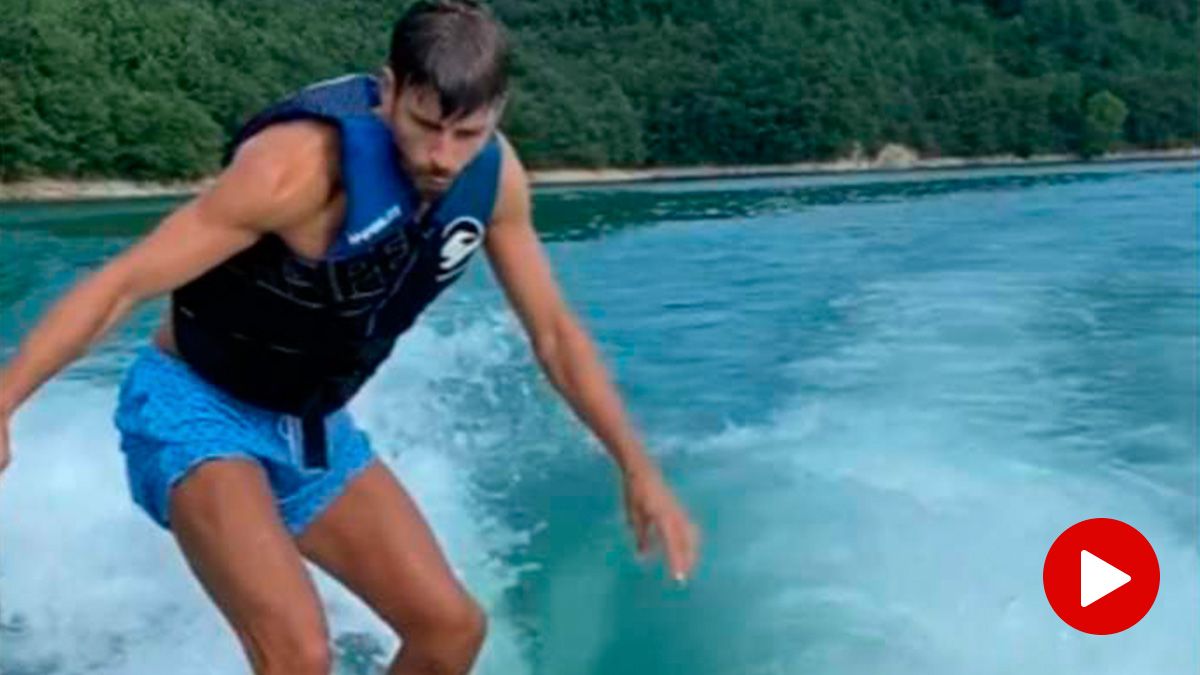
(891, 159)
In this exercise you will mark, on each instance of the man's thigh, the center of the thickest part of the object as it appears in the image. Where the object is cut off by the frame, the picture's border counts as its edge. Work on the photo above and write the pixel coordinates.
(225, 519)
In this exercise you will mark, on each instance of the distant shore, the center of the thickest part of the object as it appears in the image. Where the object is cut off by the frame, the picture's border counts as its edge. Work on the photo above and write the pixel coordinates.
(891, 158)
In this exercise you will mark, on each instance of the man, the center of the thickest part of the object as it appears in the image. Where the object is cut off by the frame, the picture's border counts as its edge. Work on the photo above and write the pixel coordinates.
(342, 213)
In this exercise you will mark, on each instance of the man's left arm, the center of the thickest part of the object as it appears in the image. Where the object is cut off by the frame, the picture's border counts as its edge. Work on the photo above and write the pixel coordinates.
(570, 360)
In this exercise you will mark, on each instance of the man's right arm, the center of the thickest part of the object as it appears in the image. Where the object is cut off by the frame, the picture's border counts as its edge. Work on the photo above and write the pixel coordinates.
(278, 178)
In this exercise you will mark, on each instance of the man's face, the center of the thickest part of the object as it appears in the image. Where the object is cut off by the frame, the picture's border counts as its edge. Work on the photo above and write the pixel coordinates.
(434, 149)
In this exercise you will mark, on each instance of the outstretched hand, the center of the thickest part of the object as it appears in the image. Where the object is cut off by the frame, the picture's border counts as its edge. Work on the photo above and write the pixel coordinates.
(657, 519)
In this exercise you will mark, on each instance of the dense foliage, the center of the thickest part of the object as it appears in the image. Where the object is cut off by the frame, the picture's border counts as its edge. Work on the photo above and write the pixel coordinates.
(153, 89)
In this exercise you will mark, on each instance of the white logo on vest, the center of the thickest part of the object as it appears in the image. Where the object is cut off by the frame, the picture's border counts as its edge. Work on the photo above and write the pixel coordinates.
(459, 240)
(376, 225)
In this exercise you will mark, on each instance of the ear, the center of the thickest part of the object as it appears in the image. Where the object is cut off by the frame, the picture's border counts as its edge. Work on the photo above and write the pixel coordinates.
(499, 107)
(388, 90)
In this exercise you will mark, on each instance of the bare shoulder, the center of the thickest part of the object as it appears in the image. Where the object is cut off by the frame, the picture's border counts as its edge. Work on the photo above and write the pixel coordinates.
(278, 177)
(300, 145)
(511, 167)
(512, 199)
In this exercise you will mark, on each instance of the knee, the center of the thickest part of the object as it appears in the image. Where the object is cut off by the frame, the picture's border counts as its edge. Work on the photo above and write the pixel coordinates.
(312, 655)
(448, 641)
(292, 652)
(467, 626)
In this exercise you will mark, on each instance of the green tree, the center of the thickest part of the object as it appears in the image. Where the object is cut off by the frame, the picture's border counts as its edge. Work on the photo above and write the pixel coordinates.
(1102, 127)
(155, 90)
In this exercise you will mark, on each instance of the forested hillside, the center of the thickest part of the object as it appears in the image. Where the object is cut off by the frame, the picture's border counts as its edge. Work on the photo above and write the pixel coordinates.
(153, 89)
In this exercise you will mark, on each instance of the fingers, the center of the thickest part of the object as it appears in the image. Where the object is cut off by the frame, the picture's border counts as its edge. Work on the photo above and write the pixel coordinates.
(681, 541)
(676, 550)
(656, 518)
(641, 530)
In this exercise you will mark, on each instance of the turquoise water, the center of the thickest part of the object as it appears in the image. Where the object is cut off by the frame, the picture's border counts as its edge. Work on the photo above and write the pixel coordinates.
(882, 396)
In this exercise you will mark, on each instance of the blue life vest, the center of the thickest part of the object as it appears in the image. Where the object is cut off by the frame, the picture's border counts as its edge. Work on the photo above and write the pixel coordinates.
(302, 336)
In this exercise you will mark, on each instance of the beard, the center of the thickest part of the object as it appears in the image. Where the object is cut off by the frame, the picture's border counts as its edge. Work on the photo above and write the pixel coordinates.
(431, 191)
(431, 184)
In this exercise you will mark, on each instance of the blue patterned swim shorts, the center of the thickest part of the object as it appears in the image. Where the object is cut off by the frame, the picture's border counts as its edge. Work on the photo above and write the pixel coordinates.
(171, 421)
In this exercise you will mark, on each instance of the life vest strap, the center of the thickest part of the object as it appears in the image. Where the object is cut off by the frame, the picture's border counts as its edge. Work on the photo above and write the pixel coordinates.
(312, 431)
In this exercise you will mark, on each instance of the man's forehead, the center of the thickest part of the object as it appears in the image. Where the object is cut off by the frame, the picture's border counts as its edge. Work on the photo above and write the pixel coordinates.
(426, 102)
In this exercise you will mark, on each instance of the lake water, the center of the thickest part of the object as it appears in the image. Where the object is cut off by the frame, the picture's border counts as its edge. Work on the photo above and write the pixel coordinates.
(882, 396)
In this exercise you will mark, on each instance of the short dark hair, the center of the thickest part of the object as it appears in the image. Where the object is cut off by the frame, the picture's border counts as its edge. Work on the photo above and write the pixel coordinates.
(455, 47)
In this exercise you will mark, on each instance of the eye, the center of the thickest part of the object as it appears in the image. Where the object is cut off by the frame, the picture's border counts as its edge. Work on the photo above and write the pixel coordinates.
(466, 134)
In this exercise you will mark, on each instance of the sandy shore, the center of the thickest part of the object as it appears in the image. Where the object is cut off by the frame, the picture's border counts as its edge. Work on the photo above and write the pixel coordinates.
(892, 158)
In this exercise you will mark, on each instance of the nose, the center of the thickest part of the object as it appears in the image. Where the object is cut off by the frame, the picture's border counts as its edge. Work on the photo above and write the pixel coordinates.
(439, 154)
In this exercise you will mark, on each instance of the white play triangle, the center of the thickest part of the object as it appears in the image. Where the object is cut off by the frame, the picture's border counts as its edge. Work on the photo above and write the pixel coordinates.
(1097, 578)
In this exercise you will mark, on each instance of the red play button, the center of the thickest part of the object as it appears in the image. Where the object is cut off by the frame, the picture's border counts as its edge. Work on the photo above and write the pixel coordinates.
(1101, 576)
